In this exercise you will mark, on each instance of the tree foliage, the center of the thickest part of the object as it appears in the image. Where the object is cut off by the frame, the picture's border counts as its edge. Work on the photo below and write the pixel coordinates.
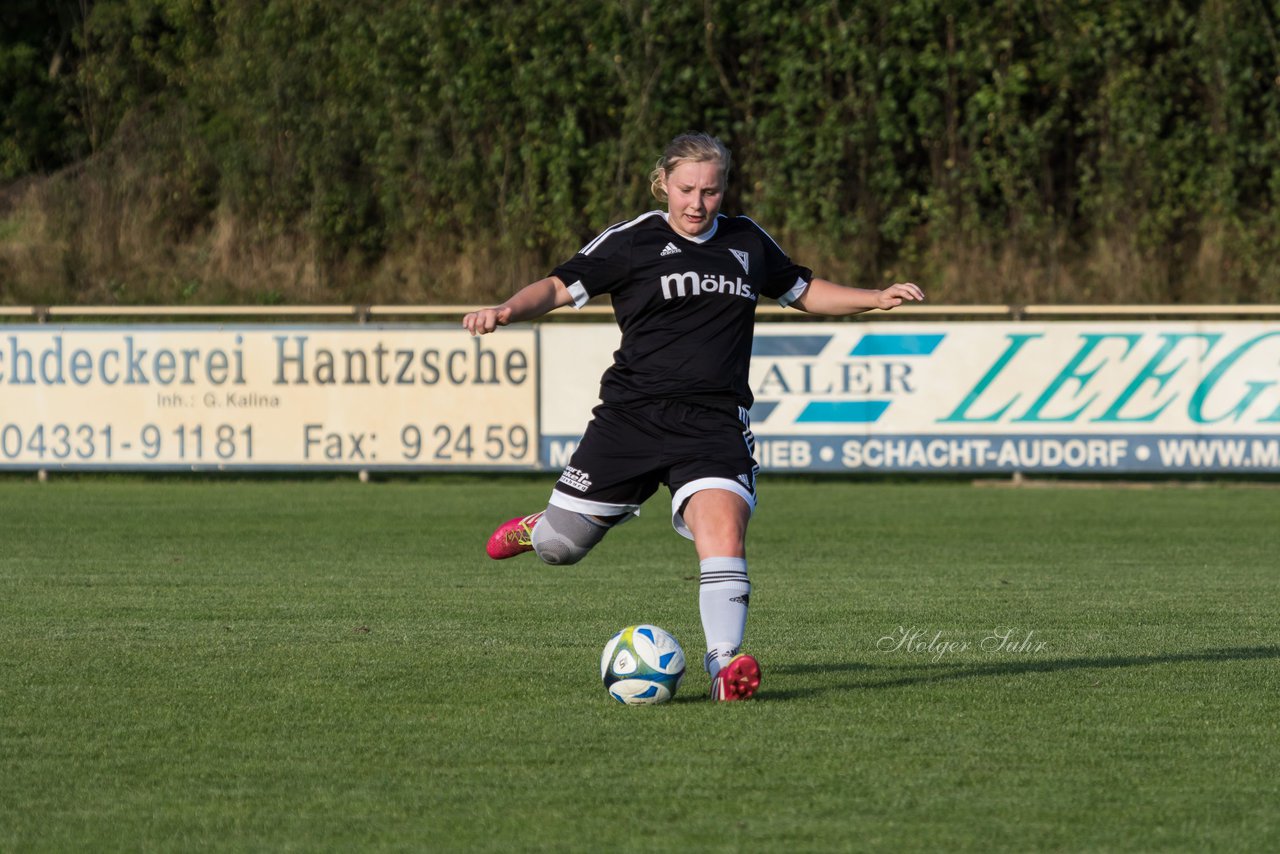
(1065, 149)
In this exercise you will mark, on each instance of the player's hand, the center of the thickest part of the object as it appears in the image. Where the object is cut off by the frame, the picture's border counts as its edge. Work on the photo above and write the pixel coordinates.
(486, 320)
(895, 295)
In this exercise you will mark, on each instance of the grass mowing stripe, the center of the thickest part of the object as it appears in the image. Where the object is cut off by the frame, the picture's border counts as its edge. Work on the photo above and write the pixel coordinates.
(325, 664)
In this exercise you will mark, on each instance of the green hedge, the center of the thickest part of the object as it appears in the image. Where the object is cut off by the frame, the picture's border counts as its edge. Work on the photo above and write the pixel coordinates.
(1067, 151)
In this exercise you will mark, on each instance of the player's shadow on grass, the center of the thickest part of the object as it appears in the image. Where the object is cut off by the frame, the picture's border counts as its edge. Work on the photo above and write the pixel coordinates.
(875, 676)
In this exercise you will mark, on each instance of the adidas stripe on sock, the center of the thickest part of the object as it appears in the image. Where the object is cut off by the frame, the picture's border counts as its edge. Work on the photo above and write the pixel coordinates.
(723, 598)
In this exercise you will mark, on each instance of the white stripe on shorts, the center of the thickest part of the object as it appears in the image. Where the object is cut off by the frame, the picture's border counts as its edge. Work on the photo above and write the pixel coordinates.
(592, 508)
(695, 486)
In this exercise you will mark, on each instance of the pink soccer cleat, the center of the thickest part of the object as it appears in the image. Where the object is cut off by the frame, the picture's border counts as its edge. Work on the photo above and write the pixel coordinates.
(737, 680)
(513, 538)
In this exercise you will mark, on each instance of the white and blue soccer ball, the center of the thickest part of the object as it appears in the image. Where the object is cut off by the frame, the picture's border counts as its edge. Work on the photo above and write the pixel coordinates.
(642, 665)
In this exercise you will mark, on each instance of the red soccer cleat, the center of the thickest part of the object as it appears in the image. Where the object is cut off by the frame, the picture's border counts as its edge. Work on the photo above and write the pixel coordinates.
(737, 680)
(513, 538)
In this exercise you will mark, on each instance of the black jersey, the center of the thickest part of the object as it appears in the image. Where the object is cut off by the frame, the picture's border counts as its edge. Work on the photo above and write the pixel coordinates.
(686, 306)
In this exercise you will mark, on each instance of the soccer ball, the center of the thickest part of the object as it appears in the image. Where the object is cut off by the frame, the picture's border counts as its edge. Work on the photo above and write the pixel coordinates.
(642, 665)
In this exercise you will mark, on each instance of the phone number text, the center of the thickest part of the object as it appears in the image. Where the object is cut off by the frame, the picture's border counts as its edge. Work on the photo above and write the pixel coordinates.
(106, 443)
(304, 444)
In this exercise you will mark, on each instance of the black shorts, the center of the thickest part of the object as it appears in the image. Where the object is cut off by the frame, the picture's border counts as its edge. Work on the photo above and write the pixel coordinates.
(628, 451)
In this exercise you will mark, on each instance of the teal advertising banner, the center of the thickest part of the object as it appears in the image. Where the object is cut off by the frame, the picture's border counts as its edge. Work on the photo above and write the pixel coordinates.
(1061, 397)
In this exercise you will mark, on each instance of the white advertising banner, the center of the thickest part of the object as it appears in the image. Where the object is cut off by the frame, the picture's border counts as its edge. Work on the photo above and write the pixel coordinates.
(266, 397)
(1056, 397)
(1096, 397)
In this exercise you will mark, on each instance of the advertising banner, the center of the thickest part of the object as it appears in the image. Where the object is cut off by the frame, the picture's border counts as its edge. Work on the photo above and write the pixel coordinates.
(973, 397)
(1060, 397)
(266, 397)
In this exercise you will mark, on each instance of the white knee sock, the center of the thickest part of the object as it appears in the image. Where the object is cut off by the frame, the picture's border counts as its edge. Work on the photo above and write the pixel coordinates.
(723, 599)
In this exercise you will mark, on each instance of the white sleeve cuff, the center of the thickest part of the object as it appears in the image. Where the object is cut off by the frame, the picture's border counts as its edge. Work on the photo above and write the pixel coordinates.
(797, 291)
(579, 294)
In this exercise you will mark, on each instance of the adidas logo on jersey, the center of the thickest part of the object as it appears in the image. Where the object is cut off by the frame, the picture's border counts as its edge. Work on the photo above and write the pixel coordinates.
(693, 284)
(671, 249)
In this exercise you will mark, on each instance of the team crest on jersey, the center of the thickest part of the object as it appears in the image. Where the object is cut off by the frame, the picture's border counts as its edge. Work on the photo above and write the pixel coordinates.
(743, 258)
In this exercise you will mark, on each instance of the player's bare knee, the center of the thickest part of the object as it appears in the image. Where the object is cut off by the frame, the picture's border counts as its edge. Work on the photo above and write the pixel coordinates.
(563, 537)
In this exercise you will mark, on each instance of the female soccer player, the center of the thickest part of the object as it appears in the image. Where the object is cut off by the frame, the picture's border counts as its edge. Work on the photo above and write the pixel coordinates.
(684, 284)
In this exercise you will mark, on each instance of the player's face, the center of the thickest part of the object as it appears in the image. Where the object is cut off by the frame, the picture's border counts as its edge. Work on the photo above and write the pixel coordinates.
(694, 193)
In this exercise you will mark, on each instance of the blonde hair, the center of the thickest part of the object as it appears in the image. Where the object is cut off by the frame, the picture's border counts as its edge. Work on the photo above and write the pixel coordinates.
(686, 148)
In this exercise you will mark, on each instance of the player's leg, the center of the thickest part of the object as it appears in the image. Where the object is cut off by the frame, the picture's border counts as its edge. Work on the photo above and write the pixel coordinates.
(713, 497)
(718, 519)
(604, 484)
(557, 535)
(563, 536)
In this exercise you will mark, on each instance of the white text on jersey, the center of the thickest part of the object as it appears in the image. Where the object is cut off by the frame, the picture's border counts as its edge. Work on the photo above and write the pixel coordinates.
(693, 284)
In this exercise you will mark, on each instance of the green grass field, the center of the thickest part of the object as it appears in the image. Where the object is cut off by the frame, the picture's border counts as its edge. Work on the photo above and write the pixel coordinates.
(329, 665)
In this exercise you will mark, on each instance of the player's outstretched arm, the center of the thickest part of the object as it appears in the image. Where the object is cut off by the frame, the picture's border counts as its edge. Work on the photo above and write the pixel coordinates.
(527, 303)
(833, 300)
